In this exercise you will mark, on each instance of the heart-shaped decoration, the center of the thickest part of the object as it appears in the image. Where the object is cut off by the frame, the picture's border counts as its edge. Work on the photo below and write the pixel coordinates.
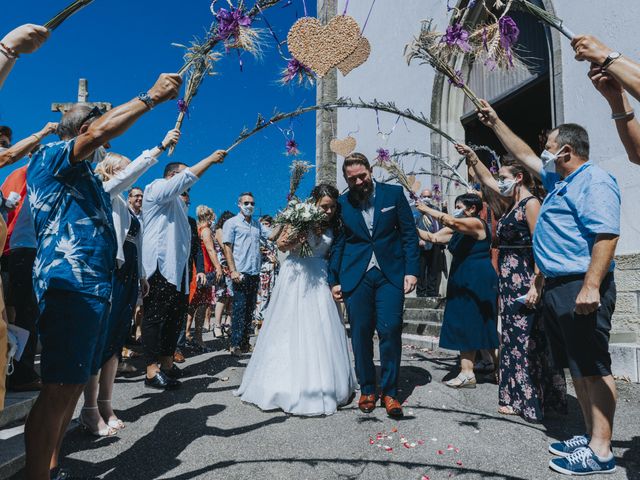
(322, 47)
(357, 57)
(343, 147)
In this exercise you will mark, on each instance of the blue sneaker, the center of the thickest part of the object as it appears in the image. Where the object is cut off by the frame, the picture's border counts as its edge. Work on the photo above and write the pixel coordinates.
(583, 462)
(566, 448)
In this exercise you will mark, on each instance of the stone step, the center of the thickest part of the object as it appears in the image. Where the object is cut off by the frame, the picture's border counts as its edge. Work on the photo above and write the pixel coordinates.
(425, 302)
(425, 342)
(16, 407)
(423, 314)
(419, 327)
(12, 456)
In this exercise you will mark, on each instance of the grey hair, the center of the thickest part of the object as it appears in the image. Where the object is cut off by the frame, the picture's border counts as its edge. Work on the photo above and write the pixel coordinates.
(72, 121)
(575, 136)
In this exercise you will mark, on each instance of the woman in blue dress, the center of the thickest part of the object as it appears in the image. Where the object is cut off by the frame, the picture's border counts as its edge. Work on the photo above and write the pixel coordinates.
(470, 315)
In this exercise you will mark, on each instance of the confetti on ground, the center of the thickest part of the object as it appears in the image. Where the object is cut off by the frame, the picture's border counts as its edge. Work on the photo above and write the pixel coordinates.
(440, 452)
(425, 477)
(225, 379)
(459, 463)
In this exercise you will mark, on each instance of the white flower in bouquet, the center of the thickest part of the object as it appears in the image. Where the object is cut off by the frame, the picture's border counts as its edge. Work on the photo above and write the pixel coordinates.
(302, 218)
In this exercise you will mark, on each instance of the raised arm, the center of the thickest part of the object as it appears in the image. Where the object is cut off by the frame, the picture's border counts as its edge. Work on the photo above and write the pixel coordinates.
(24, 39)
(442, 236)
(203, 165)
(471, 226)
(480, 171)
(624, 70)
(118, 120)
(126, 178)
(514, 144)
(621, 111)
(25, 146)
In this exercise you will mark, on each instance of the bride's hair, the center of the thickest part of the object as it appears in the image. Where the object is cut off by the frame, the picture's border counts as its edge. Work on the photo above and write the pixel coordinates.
(326, 190)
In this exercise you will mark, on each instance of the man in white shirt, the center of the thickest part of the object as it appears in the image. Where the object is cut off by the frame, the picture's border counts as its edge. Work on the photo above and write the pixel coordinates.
(241, 236)
(166, 245)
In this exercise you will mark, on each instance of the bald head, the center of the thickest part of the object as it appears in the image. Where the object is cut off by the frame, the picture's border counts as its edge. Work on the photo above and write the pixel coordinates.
(426, 193)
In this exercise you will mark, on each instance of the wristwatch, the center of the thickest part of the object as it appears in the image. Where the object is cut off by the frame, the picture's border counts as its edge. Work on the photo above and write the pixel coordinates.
(612, 57)
(146, 98)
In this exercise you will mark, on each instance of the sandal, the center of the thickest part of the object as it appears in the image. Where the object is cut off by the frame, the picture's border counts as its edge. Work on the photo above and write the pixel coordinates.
(461, 381)
(507, 410)
(108, 431)
(116, 423)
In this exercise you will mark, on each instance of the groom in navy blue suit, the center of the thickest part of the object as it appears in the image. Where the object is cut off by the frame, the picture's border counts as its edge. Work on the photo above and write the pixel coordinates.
(374, 262)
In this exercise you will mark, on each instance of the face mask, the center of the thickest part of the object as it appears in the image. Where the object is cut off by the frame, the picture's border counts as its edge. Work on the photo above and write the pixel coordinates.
(247, 210)
(549, 160)
(427, 201)
(98, 155)
(458, 213)
(506, 187)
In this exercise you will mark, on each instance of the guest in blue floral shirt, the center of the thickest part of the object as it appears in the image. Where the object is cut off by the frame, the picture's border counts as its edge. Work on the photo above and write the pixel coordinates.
(75, 260)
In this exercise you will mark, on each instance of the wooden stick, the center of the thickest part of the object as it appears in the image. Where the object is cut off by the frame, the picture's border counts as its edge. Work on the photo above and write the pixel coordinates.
(66, 13)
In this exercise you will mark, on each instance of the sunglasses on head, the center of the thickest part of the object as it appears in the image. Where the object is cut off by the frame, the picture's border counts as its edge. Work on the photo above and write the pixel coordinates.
(94, 113)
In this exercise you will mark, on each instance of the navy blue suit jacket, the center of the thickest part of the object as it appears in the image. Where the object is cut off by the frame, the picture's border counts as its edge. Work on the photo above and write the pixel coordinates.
(394, 240)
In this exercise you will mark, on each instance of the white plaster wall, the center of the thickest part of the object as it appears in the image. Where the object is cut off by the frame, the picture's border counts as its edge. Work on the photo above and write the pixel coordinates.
(387, 77)
(616, 23)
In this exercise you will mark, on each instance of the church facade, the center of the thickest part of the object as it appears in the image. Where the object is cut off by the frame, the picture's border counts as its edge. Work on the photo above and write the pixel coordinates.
(554, 89)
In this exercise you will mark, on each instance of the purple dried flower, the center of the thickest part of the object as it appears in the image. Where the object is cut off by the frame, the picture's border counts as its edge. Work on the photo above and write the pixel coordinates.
(230, 21)
(509, 33)
(456, 35)
(485, 38)
(456, 183)
(295, 68)
(383, 155)
(183, 107)
(457, 81)
(494, 168)
(292, 147)
(472, 3)
(436, 187)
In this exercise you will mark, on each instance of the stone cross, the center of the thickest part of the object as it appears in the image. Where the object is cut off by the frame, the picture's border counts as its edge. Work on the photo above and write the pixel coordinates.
(83, 97)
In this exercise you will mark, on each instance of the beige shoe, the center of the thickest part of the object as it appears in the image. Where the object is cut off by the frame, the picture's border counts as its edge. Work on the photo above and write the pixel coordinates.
(462, 381)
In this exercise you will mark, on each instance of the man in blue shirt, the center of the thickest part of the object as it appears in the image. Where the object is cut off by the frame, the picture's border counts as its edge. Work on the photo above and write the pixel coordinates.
(241, 236)
(75, 259)
(574, 245)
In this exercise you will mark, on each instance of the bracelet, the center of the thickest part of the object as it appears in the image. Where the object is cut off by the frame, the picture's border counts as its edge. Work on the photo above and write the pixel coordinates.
(37, 137)
(472, 163)
(9, 52)
(623, 116)
(161, 147)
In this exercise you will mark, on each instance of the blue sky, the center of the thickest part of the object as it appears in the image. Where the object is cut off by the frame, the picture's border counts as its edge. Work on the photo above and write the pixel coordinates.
(121, 46)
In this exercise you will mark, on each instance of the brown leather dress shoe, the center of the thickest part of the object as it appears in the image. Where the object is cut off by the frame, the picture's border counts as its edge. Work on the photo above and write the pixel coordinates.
(178, 357)
(367, 403)
(394, 409)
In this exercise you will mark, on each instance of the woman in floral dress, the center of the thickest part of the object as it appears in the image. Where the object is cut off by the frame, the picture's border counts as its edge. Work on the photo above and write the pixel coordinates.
(268, 273)
(529, 384)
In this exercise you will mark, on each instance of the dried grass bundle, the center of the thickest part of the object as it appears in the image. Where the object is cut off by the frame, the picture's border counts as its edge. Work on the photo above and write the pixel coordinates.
(299, 168)
(429, 48)
(71, 9)
(395, 171)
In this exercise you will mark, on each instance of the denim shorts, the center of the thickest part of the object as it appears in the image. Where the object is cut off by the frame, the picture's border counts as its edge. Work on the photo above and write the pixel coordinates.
(578, 342)
(72, 329)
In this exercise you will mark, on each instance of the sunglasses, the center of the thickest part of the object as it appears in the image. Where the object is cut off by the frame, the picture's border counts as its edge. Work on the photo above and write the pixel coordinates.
(94, 113)
(5, 144)
(249, 203)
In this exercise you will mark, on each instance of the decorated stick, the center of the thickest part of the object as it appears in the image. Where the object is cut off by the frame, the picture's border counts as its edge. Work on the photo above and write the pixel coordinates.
(545, 16)
(388, 107)
(199, 59)
(66, 13)
(447, 166)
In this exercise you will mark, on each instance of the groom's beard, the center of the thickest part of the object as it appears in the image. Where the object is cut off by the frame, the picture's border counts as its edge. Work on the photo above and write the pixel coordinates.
(362, 193)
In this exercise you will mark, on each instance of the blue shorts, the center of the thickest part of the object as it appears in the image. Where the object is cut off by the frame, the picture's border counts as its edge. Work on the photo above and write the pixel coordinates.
(72, 329)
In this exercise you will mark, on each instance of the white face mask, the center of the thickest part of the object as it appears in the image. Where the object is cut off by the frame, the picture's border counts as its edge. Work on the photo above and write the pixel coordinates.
(549, 160)
(506, 187)
(458, 213)
(247, 210)
(98, 155)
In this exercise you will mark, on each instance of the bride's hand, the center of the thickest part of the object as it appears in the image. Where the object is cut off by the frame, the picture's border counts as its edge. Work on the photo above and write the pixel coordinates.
(336, 291)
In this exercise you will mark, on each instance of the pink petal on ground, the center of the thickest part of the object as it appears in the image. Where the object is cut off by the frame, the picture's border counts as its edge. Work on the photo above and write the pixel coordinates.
(440, 452)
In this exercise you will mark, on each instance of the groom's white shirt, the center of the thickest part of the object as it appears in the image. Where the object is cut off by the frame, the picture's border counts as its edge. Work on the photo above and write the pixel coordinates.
(368, 213)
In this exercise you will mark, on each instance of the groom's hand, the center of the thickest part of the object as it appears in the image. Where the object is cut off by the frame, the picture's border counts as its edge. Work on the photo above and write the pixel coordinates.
(410, 283)
(336, 291)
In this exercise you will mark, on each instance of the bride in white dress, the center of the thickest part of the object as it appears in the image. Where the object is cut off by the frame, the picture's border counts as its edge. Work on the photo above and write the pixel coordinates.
(301, 361)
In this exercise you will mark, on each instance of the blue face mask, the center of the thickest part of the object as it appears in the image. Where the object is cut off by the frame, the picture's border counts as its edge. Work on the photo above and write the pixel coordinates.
(458, 213)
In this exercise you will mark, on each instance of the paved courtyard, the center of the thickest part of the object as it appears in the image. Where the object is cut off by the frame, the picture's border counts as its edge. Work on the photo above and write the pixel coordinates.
(203, 432)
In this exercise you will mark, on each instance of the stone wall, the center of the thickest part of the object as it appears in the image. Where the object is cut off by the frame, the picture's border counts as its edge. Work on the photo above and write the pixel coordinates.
(626, 320)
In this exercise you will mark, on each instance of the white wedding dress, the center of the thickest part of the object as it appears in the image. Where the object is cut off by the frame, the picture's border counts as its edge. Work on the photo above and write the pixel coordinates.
(301, 361)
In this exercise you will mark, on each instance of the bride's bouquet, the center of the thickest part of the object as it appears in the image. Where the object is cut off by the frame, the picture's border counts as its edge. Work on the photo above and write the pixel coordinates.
(301, 218)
